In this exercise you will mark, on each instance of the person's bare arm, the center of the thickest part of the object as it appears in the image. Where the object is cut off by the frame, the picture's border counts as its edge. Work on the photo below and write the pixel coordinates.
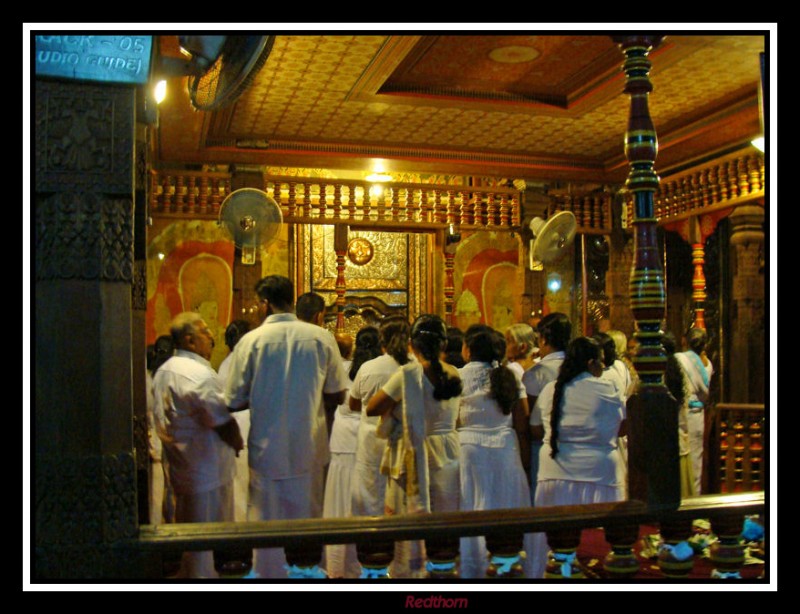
(380, 404)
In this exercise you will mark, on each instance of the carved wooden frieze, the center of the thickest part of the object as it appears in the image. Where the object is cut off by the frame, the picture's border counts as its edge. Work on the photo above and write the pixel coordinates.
(88, 500)
(139, 286)
(84, 236)
(84, 138)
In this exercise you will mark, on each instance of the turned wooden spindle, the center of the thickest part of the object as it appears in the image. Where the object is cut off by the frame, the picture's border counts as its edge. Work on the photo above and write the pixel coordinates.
(621, 563)
(303, 562)
(491, 210)
(438, 209)
(449, 285)
(337, 201)
(190, 193)
(699, 285)
(442, 558)
(340, 247)
(424, 207)
(754, 173)
(504, 210)
(727, 553)
(351, 202)
(451, 207)
(166, 191)
(515, 211)
(562, 560)
(505, 560)
(276, 192)
(676, 556)
(375, 558)
(204, 188)
(292, 204)
(323, 200)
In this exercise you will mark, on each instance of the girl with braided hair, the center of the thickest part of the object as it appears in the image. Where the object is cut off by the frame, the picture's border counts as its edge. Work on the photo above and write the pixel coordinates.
(419, 406)
(579, 462)
(492, 476)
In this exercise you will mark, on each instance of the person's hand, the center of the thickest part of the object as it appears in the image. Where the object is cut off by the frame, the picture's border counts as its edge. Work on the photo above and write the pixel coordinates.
(231, 435)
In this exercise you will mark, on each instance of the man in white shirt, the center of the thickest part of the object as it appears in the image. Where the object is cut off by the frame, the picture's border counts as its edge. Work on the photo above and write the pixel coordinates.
(283, 371)
(200, 438)
(698, 370)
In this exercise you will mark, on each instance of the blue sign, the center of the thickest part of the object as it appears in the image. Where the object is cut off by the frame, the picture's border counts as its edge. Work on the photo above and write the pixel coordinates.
(116, 59)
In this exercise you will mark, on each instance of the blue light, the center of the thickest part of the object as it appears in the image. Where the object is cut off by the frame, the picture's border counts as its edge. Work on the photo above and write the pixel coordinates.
(554, 282)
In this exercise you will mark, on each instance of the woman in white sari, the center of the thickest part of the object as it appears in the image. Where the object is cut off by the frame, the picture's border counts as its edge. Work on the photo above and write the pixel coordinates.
(419, 405)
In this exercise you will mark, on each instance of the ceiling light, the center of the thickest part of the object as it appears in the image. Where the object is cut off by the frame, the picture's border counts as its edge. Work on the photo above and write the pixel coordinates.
(378, 177)
(758, 143)
(160, 91)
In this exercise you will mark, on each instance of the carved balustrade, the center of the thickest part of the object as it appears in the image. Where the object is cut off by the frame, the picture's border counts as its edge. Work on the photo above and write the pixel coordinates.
(303, 200)
(724, 183)
(741, 447)
(374, 536)
(592, 211)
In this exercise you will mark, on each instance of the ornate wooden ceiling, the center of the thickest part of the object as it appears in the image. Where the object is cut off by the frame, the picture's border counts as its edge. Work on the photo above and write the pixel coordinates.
(537, 107)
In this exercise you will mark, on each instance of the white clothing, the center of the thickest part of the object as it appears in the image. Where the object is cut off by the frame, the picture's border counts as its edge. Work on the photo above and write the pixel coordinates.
(241, 480)
(368, 485)
(340, 560)
(516, 368)
(188, 406)
(281, 370)
(588, 467)
(698, 377)
(492, 476)
(621, 376)
(426, 426)
(540, 374)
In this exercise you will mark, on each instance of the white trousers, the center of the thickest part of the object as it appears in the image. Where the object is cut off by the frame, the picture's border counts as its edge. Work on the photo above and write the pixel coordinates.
(696, 422)
(211, 506)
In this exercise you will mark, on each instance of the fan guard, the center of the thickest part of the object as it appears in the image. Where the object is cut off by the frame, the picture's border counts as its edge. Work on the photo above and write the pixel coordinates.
(552, 237)
(252, 217)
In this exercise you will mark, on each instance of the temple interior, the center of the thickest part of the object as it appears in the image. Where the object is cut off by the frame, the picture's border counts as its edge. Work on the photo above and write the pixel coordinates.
(391, 173)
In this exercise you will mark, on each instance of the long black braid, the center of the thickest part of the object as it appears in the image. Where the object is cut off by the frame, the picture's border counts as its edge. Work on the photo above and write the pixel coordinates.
(394, 332)
(367, 348)
(487, 345)
(429, 338)
(580, 352)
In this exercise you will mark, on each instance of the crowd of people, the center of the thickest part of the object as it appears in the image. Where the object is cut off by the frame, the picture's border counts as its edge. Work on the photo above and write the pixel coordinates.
(407, 417)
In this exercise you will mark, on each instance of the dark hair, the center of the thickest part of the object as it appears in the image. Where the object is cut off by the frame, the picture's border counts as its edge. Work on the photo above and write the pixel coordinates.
(429, 338)
(455, 339)
(608, 346)
(278, 290)
(308, 306)
(163, 349)
(367, 347)
(235, 331)
(556, 329)
(579, 352)
(394, 334)
(696, 339)
(673, 376)
(488, 345)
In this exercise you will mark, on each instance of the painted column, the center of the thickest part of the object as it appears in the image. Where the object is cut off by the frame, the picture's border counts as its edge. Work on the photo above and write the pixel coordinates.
(652, 412)
(340, 247)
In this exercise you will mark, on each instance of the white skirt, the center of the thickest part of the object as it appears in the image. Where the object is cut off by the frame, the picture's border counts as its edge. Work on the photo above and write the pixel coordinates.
(340, 560)
(562, 492)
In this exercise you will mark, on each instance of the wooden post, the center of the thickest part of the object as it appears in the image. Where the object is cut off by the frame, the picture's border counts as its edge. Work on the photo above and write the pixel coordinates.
(340, 247)
(652, 412)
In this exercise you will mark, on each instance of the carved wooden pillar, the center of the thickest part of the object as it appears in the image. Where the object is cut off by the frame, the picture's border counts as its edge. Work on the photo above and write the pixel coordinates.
(340, 247)
(747, 385)
(652, 412)
(699, 285)
(84, 270)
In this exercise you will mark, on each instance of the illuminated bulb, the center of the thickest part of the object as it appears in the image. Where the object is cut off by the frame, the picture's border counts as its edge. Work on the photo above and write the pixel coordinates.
(160, 256)
(160, 91)
(758, 143)
(375, 191)
(554, 282)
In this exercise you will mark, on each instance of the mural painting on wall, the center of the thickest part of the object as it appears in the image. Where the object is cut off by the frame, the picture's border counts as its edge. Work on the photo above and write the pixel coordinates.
(488, 281)
(190, 269)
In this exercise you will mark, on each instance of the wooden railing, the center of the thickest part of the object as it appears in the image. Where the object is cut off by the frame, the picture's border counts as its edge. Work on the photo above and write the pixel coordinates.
(592, 211)
(402, 206)
(739, 447)
(723, 183)
(374, 536)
